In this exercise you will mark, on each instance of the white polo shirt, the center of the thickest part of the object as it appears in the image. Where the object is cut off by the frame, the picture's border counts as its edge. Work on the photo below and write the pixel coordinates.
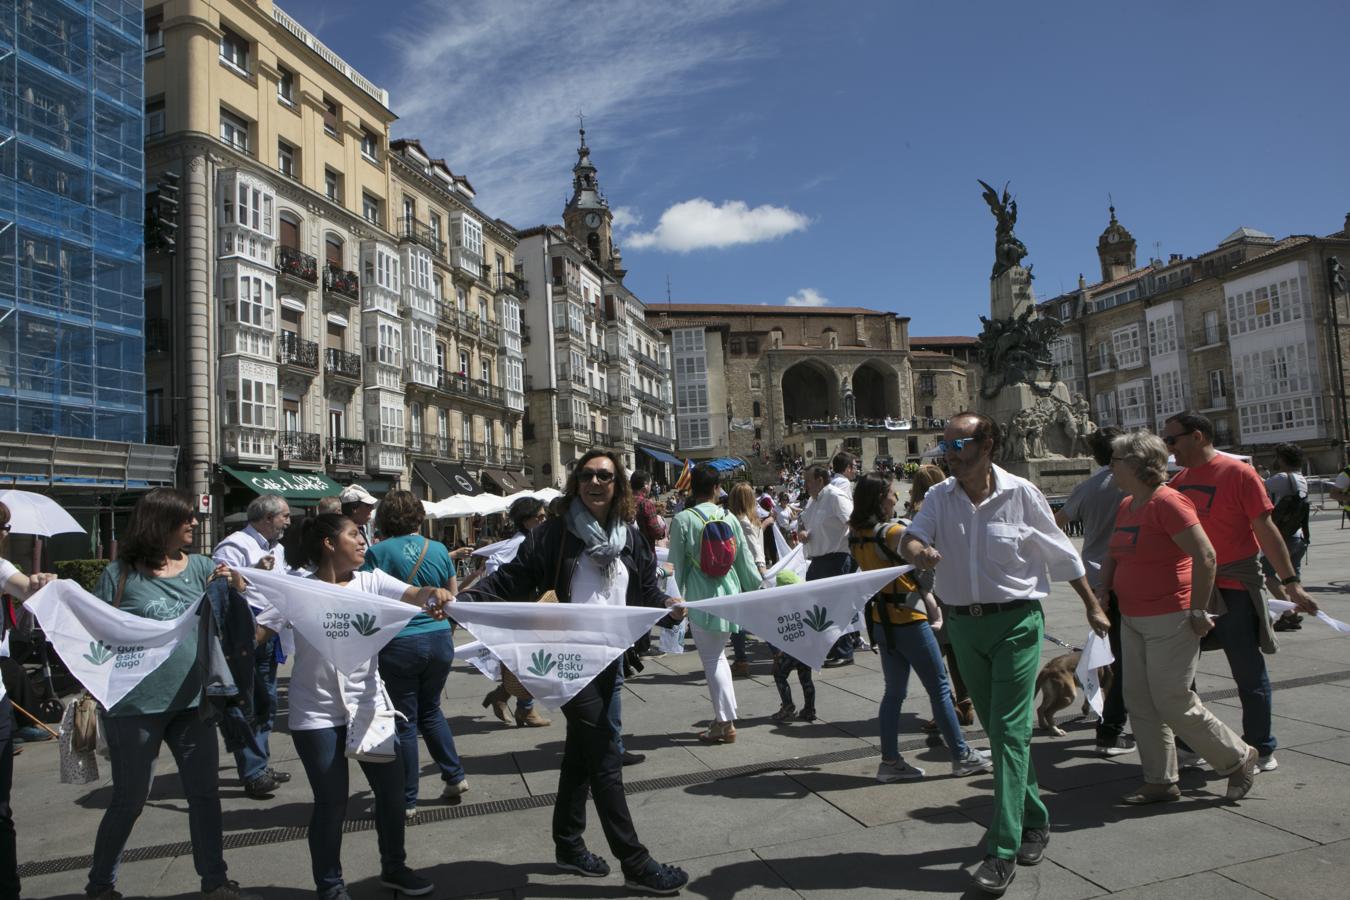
(1006, 548)
(826, 520)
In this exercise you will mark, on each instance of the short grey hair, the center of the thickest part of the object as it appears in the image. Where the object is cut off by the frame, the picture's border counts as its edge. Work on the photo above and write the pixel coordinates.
(265, 506)
(1144, 453)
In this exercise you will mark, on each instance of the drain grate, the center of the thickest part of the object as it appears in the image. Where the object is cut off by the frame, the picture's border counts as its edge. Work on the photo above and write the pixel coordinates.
(242, 839)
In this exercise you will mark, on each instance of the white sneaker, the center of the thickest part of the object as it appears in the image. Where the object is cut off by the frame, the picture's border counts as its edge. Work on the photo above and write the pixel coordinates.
(973, 762)
(890, 773)
(453, 792)
(1267, 763)
(1187, 759)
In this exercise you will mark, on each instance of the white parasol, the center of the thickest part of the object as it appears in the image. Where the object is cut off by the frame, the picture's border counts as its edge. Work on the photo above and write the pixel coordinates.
(37, 514)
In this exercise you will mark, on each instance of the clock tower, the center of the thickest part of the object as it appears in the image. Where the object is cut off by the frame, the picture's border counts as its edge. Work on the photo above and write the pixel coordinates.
(1115, 249)
(587, 217)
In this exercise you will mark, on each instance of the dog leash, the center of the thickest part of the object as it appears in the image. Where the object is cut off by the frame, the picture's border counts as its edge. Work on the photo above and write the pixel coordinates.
(1054, 640)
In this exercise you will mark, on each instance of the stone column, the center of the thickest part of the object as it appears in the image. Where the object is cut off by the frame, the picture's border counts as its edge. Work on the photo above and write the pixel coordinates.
(195, 298)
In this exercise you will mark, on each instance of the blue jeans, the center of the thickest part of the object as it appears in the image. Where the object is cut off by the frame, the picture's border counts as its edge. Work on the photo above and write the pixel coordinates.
(133, 745)
(414, 668)
(616, 707)
(252, 760)
(1237, 631)
(828, 566)
(9, 851)
(914, 648)
(1297, 548)
(323, 753)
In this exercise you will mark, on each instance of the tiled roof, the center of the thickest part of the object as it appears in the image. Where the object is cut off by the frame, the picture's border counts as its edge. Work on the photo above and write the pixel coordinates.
(933, 354)
(1280, 245)
(769, 309)
(944, 340)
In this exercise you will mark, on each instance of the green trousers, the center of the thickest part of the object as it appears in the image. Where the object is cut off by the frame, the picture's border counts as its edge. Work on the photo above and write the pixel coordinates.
(1000, 656)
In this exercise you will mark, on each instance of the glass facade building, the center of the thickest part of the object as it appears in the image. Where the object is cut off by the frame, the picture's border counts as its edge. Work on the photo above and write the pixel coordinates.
(72, 202)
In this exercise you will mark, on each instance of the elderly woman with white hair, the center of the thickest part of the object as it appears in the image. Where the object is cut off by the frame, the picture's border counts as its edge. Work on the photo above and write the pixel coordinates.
(1161, 567)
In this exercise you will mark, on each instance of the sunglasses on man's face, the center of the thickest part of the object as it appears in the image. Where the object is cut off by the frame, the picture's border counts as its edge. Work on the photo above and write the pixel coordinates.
(1171, 439)
(957, 444)
(604, 476)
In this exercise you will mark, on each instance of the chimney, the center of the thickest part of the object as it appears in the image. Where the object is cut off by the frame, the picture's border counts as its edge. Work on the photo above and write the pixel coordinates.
(1173, 257)
(1346, 229)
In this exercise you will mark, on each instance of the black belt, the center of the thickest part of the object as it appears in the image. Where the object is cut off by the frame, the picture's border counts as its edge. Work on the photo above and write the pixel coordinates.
(987, 609)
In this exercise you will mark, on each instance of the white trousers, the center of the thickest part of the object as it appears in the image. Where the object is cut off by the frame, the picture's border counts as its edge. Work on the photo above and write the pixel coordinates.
(712, 647)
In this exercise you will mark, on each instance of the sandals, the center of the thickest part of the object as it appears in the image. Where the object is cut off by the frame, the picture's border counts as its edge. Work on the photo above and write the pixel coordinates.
(719, 733)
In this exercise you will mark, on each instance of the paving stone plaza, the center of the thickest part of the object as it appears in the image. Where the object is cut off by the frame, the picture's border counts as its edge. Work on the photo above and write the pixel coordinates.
(787, 810)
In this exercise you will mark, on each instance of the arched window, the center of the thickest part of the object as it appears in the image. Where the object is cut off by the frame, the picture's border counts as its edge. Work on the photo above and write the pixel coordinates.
(289, 233)
(332, 251)
(755, 409)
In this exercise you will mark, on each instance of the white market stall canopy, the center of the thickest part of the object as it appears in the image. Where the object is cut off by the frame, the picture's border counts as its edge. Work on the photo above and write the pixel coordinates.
(463, 505)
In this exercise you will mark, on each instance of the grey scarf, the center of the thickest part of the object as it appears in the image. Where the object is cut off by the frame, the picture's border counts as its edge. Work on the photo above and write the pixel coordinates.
(601, 546)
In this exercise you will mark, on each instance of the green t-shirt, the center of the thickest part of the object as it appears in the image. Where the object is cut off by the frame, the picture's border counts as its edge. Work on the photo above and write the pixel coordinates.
(175, 685)
(397, 556)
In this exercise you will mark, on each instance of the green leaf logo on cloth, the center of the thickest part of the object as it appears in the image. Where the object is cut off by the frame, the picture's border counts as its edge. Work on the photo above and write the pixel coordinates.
(99, 653)
(817, 620)
(365, 624)
(541, 663)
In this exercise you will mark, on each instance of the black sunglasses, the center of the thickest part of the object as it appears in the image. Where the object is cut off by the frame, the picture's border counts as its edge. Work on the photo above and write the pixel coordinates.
(604, 476)
(1171, 439)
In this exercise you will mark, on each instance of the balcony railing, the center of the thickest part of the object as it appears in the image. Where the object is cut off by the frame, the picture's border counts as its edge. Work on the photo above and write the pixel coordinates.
(342, 364)
(647, 361)
(524, 333)
(346, 453)
(464, 386)
(1099, 365)
(436, 445)
(300, 447)
(513, 458)
(655, 440)
(158, 337)
(473, 450)
(1208, 337)
(602, 438)
(651, 399)
(293, 350)
(511, 283)
(490, 330)
(337, 280)
(1210, 400)
(301, 266)
(411, 229)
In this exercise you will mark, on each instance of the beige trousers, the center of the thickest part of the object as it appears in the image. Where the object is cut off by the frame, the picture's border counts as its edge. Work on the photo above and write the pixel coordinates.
(1160, 654)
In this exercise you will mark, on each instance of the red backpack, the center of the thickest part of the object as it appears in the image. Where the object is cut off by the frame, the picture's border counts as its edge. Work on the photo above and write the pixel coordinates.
(716, 545)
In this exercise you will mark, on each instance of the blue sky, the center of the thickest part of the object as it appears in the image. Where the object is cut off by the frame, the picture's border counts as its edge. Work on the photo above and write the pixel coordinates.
(762, 150)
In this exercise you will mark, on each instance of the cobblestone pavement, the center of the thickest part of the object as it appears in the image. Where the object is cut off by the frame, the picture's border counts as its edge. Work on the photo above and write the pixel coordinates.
(788, 810)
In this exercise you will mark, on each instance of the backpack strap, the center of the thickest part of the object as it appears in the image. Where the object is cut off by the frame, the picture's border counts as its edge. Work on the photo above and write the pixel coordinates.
(426, 543)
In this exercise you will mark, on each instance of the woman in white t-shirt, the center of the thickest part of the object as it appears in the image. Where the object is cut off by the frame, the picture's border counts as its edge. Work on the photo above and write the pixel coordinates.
(333, 548)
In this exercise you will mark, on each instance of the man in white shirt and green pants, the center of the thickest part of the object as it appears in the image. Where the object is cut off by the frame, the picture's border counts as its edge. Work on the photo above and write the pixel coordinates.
(995, 547)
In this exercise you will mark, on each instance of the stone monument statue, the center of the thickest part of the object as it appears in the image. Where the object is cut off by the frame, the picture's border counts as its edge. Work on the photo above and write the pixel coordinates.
(1045, 430)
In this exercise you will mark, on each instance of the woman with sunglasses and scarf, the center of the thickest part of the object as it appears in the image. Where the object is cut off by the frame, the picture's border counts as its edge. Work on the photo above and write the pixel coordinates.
(590, 553)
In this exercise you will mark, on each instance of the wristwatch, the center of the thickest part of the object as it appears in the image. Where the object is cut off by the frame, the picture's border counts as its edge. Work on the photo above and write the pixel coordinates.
(1196, 613)
(1292, 579)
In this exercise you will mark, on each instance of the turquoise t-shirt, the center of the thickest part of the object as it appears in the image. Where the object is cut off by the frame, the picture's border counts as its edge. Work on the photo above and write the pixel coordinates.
(397, 556)
(175, 685)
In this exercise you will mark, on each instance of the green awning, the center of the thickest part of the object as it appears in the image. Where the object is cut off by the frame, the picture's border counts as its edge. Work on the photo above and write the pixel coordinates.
(299, 488)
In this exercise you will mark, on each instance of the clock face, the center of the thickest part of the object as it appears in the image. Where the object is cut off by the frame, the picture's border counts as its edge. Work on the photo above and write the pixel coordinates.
(1112, 237)
(593, 219)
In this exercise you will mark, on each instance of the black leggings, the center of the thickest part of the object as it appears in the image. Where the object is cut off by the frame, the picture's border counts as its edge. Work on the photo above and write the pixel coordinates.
(782, 668)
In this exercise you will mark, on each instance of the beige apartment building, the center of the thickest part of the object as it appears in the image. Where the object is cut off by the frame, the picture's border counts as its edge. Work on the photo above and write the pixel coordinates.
(1243, 333)
(296, 338)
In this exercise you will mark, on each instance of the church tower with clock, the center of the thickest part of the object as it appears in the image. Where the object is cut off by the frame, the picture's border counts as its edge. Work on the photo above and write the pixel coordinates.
(587, 217)
(1115, 249)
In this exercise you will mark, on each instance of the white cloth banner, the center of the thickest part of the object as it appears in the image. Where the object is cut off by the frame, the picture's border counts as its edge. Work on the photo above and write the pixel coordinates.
(490, 549)
(1278, 607)
(107, 650)
(779, 541)
(1096, 653)
(555, 649)
(476, 654)
(794, 559)
(803, 620)
(348, 627)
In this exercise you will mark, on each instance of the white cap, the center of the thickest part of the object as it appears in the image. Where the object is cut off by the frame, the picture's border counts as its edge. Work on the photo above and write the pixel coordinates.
(354, 493)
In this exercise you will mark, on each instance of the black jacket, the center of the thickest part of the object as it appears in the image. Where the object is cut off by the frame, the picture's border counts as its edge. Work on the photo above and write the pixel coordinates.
(548, 559)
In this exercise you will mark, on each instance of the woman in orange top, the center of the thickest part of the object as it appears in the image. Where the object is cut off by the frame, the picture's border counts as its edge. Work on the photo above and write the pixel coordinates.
(898, 618)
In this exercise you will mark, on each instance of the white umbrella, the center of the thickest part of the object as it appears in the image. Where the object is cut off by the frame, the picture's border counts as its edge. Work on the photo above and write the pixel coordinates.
(37, 514)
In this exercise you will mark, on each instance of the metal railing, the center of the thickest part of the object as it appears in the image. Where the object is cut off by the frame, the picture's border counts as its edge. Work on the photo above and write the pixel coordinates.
(300, 446)
(1208, 337)
(511, 283)
(293, 350)
(651, 399)
(346, 453)
(509, 457)
(602, 438)
(474, 450)
(337, 280)
(464, 386)
(647, 361)
(341, 363)
(655, 440)
(411, 229)
(296, 264)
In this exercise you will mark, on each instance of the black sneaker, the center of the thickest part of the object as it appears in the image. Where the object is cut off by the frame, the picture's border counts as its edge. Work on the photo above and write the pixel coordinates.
(629, 758)
(995, 874)
(808, 714)
(261, 787)
(1123, 743)
(407, 882)
(839, 661)
(1032, 850)
(105, 894)
(230, 890)
(658, 878)
(583, 862)
(279, 777)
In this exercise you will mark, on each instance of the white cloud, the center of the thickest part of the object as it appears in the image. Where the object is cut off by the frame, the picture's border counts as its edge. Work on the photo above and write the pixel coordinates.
(808, 297)
(625, 218)
(495, 87)
(698, 224)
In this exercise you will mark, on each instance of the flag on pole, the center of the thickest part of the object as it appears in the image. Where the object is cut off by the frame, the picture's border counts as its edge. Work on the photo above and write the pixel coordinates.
(803, 620)
(555, 649)
(682, 483)
(107, 650)
(348, 627)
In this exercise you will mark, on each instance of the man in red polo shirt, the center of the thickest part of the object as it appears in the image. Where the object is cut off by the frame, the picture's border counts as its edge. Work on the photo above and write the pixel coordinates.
(1234, 509)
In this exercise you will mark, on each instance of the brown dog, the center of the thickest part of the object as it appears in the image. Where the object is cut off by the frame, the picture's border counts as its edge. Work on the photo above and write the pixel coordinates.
(1058, 685)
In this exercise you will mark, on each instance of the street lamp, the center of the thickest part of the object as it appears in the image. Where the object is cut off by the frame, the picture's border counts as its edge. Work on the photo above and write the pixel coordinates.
(1336, 283)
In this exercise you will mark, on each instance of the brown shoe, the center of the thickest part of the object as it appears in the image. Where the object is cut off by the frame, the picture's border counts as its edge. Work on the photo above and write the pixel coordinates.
(530, 718)
(496, 698)
(1152, 793)
(719, 733)
(965, 712)
(930, 726)
(740, 669)
(1241, 779)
